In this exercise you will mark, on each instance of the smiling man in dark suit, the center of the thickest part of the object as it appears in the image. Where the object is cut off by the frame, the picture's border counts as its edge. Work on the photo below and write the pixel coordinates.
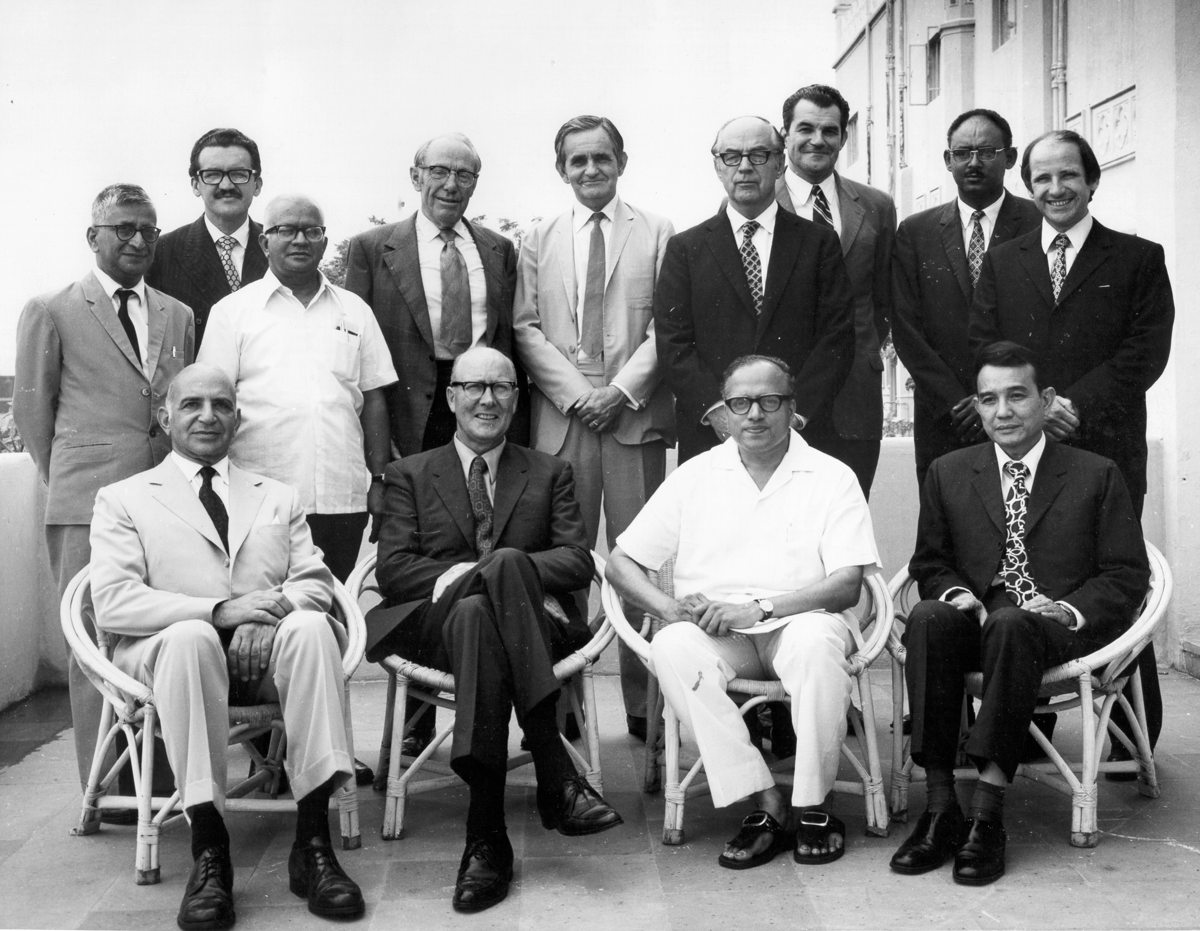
(753, 279)
(476, 534)
(204, 261)
(1028, 554)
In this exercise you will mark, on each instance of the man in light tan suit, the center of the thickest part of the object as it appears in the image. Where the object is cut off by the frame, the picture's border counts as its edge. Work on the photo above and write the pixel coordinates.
(93, 364)
(585, 335)
(206, 572)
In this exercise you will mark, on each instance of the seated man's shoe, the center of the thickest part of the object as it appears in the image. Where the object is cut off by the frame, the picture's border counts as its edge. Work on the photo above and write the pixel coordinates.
(574, 808)
(980, 860)
(208, 898)
(415, 744)
(118, 816)
(1119, 755)
(315, 874)
(483, 875)
(636, 725)
(783, 737)
(935, 839)
(362, 774)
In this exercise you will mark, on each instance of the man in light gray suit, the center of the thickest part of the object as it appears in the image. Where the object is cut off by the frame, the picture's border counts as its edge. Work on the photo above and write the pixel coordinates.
(584, 330)
(93, 364)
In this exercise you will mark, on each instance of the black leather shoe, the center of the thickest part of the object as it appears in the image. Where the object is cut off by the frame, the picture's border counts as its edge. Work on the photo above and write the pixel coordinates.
(415, 744)
(575, 808)
(362, 774)
(980, 860)
(208, 899)
(636, 725)
(934, 840)
(1119, 755)
(483, 875)
(315, 874)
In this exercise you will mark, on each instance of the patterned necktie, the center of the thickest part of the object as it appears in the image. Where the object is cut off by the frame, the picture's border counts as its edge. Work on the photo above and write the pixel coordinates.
(821, 212)
(456, 297)
(1058, 273)
(752, 264)
(591, 343)
(225, 246)
(214, 505)
(1015, 569)
(481, 507)
(975, 249)
(123, 295)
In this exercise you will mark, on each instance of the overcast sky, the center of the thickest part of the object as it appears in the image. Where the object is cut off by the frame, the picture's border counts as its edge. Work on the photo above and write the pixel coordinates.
(338, 96)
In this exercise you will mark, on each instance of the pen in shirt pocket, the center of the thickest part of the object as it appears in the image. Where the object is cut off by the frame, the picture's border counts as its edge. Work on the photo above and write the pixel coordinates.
(344, 327)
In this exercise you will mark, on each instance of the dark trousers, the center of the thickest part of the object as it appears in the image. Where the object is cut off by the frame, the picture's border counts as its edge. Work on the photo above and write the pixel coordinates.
(339, 538)
(862, 456)
(1013, 649)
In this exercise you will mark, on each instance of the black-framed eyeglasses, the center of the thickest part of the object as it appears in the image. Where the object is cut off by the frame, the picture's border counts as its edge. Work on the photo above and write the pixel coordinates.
(767, 403)
(311, 233)
(986, 153)
(214, 176)
(442, 172)
(126, 231)
(756, 156)
(501, 390)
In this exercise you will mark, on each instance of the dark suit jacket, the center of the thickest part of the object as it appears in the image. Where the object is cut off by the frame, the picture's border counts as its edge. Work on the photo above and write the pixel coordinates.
(704, 319)
(1102, 345)
(932, 301)
(383, 268)
(428, 527)
(868, 237)
(1084, 542)
(187, 267)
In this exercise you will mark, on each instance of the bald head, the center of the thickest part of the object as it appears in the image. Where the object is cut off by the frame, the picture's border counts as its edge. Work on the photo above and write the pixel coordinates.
(745, 139)
(291, 222)
(483, 396)
(201, 414)
(482, 357)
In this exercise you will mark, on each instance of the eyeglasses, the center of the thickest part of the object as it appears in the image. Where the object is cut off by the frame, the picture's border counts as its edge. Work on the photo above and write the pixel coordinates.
(986, 154)
(756, 156)
(441, 173)
(126, 231)
(501, 390)
(214, 176)
(311, 233)
(767, 403)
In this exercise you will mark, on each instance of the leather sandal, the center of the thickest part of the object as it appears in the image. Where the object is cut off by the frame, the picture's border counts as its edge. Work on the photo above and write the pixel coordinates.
(814, 830)
(754, 826)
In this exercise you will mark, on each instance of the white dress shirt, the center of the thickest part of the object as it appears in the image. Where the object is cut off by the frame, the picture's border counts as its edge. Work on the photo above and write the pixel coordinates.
(802, 199)
(300, 374)
(135, 306)
(763, 236)
(429, 252)
(241, 237)
(191, 471)
(987, 221)
(1078, 235)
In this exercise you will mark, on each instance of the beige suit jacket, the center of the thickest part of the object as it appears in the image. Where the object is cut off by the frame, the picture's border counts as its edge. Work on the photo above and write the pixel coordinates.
(546, 329)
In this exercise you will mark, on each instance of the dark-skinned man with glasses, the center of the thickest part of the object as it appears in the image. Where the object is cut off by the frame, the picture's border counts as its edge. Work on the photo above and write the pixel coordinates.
(93, 363)
(769, 538)
(481, 548)
(203, 261)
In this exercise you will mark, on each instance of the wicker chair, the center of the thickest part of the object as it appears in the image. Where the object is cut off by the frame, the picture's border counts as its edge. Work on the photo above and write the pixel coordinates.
(874, 624)
(129, 710)
(1093, 684)
(435, 689)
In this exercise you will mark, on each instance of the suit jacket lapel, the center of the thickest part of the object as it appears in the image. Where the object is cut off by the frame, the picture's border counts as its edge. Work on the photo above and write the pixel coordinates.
(852, 213)
(102, 309)
(783, 196)
(493, 270)
(785, 251)
(563, 249)
(1033, 260)
(1093, 254)
(1007, 222)
(953, 244)
(172, 491)
(254, 262)
(987, 486)
(401, 258)
(510, 485)
(204, 264)
(156, 327)
(1051, 479)
(725, 250)
(246, 496)
(451, 487)
(621, 228)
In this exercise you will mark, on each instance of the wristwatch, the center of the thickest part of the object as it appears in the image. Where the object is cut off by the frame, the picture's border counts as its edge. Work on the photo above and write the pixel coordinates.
(376, 477)
(765, 606)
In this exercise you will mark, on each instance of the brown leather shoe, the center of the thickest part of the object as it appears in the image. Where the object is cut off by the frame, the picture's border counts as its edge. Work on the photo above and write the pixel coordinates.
(315, 874)
(574, 808)
(208, 898)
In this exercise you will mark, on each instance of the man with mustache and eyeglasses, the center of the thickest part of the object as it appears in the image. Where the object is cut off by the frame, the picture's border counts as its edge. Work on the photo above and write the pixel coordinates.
(93, 364)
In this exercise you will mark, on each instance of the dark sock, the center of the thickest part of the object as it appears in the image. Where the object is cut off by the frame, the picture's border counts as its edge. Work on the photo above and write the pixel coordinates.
(485, 812)
(939, 790)
(551, 762)
(312, 813)
(208, 828)
(987, 802)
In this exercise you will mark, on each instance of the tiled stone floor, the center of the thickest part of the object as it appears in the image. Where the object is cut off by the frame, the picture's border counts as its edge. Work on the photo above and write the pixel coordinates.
(1144, 873)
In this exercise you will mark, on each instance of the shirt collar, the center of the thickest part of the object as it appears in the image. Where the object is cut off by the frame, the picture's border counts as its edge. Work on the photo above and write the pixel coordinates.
(427, 232)
(581, 216)
(1031, 458)
(991, 211)
(273, 284)
(241, 234)
(110, 287)
(1078, 233)
(801, 190)
(766, 219)
(491, 458)
(190, 468)
(798, 458)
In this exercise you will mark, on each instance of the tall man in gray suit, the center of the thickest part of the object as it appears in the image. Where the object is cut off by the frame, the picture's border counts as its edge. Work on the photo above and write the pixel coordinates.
(814, 131)
(93, 364)
(585, 335)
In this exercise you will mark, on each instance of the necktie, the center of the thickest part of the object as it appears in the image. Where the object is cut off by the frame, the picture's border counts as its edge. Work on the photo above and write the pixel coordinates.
(225, 246)
(214, 505)
(1015, 569)
(752, 264)
(591, 343)
(123, 295)
(481, 507)
(821, 212)
(1058, 273)
(456, 297)
(975, 248)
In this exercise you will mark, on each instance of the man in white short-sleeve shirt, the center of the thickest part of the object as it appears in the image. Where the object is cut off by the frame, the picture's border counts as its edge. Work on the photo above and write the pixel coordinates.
(770, 538)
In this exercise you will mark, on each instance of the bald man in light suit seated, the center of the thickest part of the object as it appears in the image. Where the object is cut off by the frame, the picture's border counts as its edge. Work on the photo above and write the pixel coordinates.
(207, 573)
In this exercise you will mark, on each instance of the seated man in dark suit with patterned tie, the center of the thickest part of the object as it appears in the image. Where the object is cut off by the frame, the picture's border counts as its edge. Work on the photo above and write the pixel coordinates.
(1028, 554)
(475, 535)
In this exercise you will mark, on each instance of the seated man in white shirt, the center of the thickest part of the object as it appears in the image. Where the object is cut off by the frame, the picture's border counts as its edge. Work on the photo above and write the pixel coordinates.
(770, 538)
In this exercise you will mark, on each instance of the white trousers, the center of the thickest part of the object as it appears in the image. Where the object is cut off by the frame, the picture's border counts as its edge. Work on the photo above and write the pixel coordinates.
(808, 655)
(185, 665)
